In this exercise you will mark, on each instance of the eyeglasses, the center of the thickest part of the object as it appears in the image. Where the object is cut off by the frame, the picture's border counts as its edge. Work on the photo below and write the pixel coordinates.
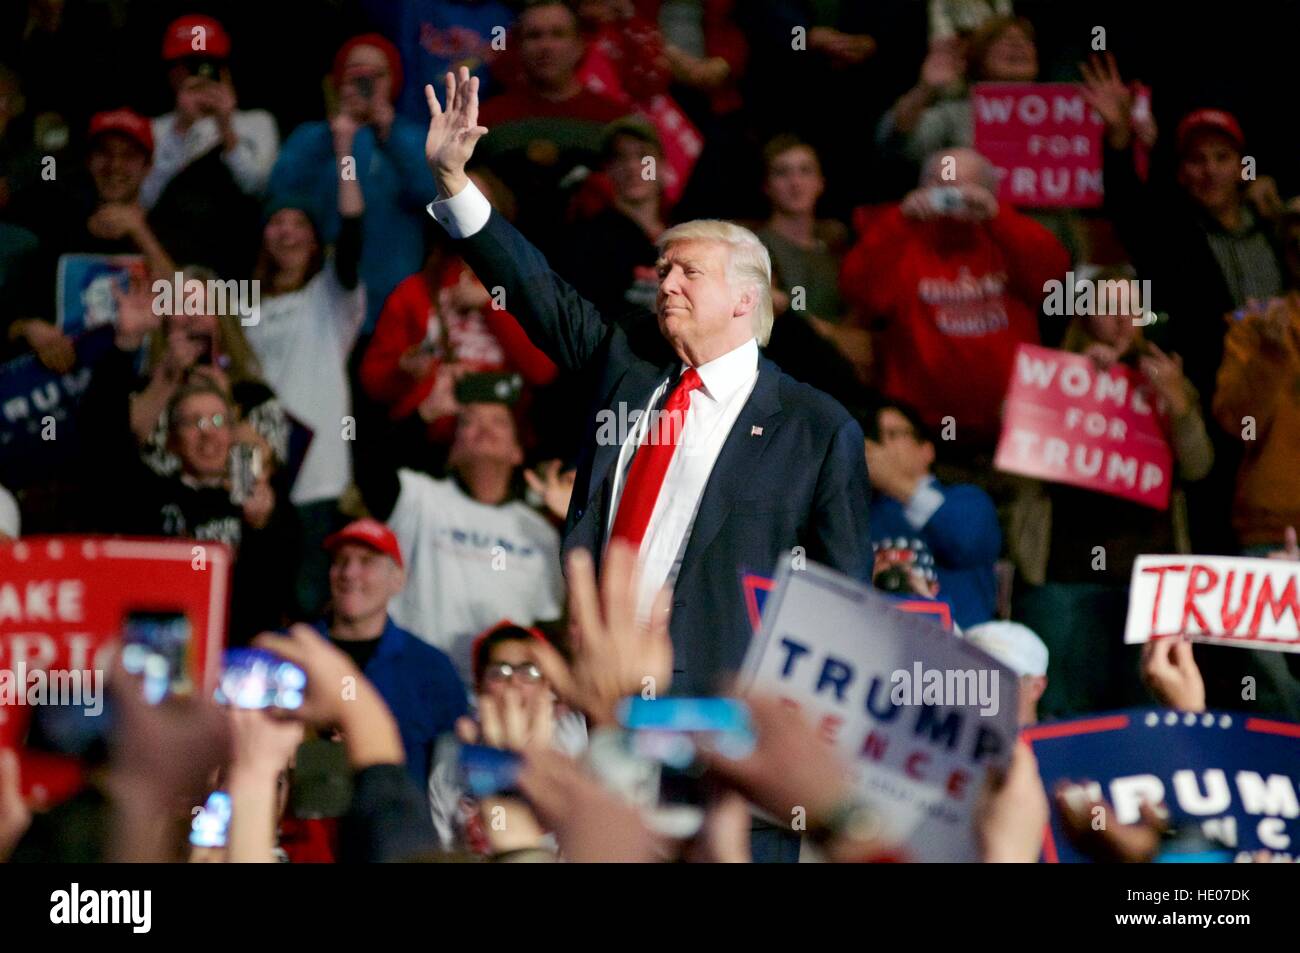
(526, 672)
(214, 422)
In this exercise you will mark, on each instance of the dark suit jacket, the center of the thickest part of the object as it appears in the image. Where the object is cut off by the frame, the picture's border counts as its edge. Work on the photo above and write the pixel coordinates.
(801, 483)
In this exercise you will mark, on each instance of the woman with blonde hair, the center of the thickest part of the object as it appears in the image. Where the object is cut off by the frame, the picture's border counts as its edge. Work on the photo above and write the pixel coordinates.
(209, 345)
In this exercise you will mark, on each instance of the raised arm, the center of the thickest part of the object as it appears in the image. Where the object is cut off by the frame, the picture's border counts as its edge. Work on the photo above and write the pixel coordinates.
(566, 326)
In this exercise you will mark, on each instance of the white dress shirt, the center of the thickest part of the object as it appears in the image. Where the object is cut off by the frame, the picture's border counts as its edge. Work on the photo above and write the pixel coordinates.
(727, 382)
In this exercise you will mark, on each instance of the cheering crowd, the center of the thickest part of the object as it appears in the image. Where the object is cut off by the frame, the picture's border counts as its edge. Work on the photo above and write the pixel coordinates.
(394, 437)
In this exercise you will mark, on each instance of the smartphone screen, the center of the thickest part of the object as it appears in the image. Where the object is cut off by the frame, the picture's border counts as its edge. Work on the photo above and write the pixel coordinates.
(487, 771)
(712, 715)
(156, 645)
(212, 822)
(256, 678)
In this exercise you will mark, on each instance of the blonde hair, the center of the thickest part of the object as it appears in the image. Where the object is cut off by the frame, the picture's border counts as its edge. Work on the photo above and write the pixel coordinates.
(748, 263)
(244, 365)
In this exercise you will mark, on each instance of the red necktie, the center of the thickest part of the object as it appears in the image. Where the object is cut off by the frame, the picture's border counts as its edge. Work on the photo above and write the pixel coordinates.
(646, 475)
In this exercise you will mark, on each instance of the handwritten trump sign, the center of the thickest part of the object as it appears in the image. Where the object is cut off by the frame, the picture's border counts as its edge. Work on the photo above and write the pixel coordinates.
(1066, 421)
(1229, 778)
(1043, 141)
(921, 715)
(1229, 600)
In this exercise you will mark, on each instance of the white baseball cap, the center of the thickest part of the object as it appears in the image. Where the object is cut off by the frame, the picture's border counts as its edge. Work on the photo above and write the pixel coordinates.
(1014, 645)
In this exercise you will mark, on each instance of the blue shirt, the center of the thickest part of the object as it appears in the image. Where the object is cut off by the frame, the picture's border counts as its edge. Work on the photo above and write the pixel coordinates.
(958, 526)
(395, 182)
(422, 690)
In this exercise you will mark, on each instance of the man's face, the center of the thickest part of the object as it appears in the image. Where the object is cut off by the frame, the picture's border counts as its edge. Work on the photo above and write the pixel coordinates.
(362, 581)
(486, 433)
(201, 435)
(515, 653)
(794, 181)
(696, 303)
(1011, 58)
(1210, 171)
(118, 165)
(899, 436)
(626, 166)
(549, 45)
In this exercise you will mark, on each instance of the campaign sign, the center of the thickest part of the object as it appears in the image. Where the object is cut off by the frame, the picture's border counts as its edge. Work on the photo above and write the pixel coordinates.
(921, 715)
(1043, 141)
(37, 406)
(1067, 421)
(757, 588)
(1232, 778)
(85, 286)
(64, 603)
(1226, 600)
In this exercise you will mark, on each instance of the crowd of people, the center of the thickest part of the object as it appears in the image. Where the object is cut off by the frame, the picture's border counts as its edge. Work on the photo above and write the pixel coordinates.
(397, 449)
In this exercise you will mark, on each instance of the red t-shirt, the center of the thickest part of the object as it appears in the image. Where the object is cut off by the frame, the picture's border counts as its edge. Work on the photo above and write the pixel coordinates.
(486, 340)
(954, 302)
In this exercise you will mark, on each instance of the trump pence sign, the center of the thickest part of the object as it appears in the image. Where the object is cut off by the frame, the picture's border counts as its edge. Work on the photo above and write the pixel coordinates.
(922, 716)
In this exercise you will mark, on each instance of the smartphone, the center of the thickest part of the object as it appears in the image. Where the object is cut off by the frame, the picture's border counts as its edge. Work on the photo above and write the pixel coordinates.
(490, 388)
(211, 824)
(668, 731)
(364, 85)
(948, 198)
(322, 780)
(662, 725)
(245, 470)
(156, 646)
(485, 771)
(256, 678)
(203, 67)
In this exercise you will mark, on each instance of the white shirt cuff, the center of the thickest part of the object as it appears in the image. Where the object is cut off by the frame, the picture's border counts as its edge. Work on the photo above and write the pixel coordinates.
(924, 503)
(464, 213)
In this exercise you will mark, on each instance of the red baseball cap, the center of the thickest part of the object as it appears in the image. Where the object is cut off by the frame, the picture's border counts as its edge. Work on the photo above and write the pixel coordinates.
(1210, 120)
(195, 35)
(128, 122)
(367, 532)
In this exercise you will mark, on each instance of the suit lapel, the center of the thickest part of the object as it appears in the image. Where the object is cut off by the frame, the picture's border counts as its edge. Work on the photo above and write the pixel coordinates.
(738, 460)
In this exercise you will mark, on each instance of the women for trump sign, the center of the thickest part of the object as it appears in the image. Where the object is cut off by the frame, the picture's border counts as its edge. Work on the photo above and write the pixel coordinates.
(1043, 141)
(1069, 422)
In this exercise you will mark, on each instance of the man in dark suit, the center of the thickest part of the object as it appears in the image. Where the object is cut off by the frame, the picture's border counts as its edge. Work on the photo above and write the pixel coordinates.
(714, 463)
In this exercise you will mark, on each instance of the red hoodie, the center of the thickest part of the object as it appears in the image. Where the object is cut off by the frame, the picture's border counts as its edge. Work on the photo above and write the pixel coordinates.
(487, 340)
(955, 301)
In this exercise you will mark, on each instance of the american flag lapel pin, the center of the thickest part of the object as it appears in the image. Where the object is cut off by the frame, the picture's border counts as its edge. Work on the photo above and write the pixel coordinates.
(755, 431)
